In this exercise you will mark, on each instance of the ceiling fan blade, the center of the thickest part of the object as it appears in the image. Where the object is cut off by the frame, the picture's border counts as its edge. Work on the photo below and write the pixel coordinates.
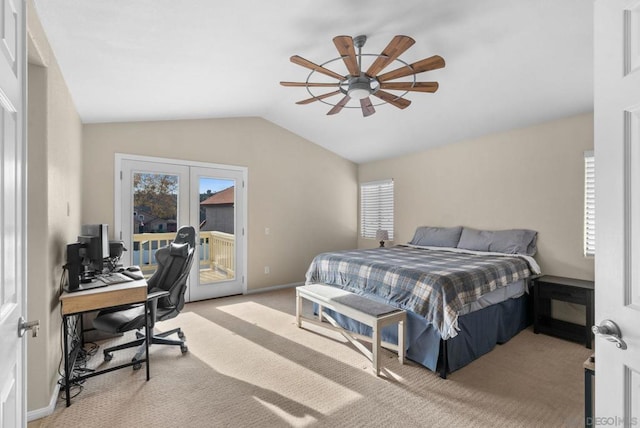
(315, 67)
(395, 48)
(410, 86)
(339, 106)
(344, 44)
(431, 63)
(310, 84)
(392, 99)
(319, 97)
(367, 107)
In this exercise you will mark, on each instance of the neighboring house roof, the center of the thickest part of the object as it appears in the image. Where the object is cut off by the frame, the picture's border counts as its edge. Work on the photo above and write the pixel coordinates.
(225, 196)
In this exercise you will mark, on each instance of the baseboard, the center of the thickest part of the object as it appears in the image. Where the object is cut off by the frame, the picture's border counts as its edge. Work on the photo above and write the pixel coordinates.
(274, 288)
(45, 411)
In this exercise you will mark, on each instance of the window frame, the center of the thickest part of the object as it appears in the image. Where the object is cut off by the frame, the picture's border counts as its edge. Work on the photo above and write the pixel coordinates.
(380, 214)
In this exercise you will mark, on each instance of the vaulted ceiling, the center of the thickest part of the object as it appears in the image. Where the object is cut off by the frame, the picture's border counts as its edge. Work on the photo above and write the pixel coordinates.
(509, 64)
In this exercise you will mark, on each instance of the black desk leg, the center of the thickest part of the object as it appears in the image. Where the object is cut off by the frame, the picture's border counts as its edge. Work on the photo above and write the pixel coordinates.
(67, 369)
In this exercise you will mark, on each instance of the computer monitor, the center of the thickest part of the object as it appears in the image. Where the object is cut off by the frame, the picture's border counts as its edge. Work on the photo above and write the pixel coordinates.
(86, 257)
(94, 240)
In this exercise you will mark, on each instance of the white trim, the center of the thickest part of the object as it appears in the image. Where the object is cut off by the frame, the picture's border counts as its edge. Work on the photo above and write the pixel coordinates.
(45, 411)
(377, 182)
(274, 288)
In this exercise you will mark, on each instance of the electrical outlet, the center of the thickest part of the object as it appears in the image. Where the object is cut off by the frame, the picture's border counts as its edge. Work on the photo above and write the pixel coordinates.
(267, 270)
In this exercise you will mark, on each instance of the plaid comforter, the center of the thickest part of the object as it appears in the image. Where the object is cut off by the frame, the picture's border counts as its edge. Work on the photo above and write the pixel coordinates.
(435, 284)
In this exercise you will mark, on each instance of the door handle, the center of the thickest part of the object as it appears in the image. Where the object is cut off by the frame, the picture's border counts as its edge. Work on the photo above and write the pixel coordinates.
(610, 331)
(23, 326)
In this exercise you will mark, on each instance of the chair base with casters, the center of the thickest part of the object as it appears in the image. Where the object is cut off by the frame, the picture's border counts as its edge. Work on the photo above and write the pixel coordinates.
(156, 339)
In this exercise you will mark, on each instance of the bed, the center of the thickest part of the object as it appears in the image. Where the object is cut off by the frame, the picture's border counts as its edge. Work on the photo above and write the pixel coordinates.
(464, 290)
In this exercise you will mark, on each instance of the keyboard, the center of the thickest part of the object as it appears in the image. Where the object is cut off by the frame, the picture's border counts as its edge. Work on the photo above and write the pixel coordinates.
(132, 274)
(113, 278)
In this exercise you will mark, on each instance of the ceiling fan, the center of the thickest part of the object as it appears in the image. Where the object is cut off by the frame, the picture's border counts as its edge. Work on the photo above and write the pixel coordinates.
(359, 84)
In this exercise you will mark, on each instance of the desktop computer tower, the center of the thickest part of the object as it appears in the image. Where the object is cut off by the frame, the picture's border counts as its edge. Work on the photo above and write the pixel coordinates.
(74, 266)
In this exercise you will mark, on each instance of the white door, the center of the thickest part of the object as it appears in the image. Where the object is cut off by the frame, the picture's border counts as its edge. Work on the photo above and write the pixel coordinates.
(217, 206)
(12, 213)
(617, 159)
(157, 196)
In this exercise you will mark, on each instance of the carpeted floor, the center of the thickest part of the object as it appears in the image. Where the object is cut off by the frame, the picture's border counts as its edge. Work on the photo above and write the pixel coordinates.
(249, 366)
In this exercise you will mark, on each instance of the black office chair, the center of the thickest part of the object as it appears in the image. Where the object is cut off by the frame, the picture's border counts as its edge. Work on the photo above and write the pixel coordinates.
(165, 297)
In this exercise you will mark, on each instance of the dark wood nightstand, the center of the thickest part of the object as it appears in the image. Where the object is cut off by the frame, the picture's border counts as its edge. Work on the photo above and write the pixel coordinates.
(547, 288)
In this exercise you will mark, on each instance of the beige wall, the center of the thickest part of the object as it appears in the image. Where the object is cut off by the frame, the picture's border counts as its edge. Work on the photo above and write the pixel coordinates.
(54, 152)
(304, 194)
(525, 178)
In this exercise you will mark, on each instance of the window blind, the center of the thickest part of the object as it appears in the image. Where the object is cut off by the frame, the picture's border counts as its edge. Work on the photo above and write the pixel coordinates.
(376, 208)
(589, 204)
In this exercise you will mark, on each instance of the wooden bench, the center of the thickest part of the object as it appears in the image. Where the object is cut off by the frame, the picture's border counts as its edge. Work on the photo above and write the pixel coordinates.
(367, 311)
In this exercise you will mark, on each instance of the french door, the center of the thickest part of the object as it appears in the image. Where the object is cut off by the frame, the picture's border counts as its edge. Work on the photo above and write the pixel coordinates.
(157, 196)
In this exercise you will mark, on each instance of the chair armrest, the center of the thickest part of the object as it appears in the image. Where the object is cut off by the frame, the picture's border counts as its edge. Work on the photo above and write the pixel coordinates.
(152, 304)
(155, 295)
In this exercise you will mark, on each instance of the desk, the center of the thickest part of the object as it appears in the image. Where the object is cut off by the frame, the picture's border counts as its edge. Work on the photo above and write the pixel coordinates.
(79, 302)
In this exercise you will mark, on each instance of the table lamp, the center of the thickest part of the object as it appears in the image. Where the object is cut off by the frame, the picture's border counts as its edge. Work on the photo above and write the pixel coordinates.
(382, 235)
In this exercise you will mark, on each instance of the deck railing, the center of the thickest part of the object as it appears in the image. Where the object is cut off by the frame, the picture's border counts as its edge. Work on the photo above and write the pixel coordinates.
(216, 251)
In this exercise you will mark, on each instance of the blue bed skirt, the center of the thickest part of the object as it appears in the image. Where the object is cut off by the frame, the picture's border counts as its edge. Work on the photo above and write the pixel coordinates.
(479, 333)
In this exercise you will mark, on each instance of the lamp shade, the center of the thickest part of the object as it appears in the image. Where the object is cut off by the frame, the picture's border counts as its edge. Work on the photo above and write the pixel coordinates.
(382, 235)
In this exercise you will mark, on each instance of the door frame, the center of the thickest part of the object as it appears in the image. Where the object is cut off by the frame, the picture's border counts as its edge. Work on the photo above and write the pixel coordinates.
(117, 203)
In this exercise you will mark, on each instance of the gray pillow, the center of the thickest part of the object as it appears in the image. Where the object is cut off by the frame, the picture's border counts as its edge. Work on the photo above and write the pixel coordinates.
(513, 241)
(437, 236)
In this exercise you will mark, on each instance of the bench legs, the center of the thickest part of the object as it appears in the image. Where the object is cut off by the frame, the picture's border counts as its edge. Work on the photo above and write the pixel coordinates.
(375, 348)
(298, 309)
(376, 324)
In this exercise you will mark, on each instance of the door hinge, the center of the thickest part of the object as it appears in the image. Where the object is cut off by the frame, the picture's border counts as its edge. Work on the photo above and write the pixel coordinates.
(243, 279)
(243, 184)
(121, 235)
(243, 231)
(120, 175)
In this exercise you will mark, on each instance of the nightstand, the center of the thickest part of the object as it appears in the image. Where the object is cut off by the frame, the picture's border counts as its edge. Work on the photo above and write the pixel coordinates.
(547, 288)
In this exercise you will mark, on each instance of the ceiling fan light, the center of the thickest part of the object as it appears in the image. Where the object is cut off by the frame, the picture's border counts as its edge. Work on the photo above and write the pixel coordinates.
(359, 90)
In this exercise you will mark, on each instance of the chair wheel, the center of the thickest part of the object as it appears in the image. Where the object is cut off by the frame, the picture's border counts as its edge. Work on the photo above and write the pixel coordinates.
(181, 335)
(108, 356)
(184, 349)
(137, 365)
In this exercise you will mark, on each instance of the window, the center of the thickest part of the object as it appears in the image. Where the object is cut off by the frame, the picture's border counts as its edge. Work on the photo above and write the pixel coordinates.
(376, 208)
(589, 204)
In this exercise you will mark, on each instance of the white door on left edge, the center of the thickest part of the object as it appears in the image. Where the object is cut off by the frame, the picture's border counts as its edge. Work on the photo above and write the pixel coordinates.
(160, 195)
(12, 213)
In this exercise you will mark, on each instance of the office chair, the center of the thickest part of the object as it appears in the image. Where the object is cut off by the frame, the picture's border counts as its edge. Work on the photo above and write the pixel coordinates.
(165, 299)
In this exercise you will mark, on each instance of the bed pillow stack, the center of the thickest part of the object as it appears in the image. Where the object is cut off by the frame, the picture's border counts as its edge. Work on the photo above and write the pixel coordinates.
(512, 241)
(426, 236)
